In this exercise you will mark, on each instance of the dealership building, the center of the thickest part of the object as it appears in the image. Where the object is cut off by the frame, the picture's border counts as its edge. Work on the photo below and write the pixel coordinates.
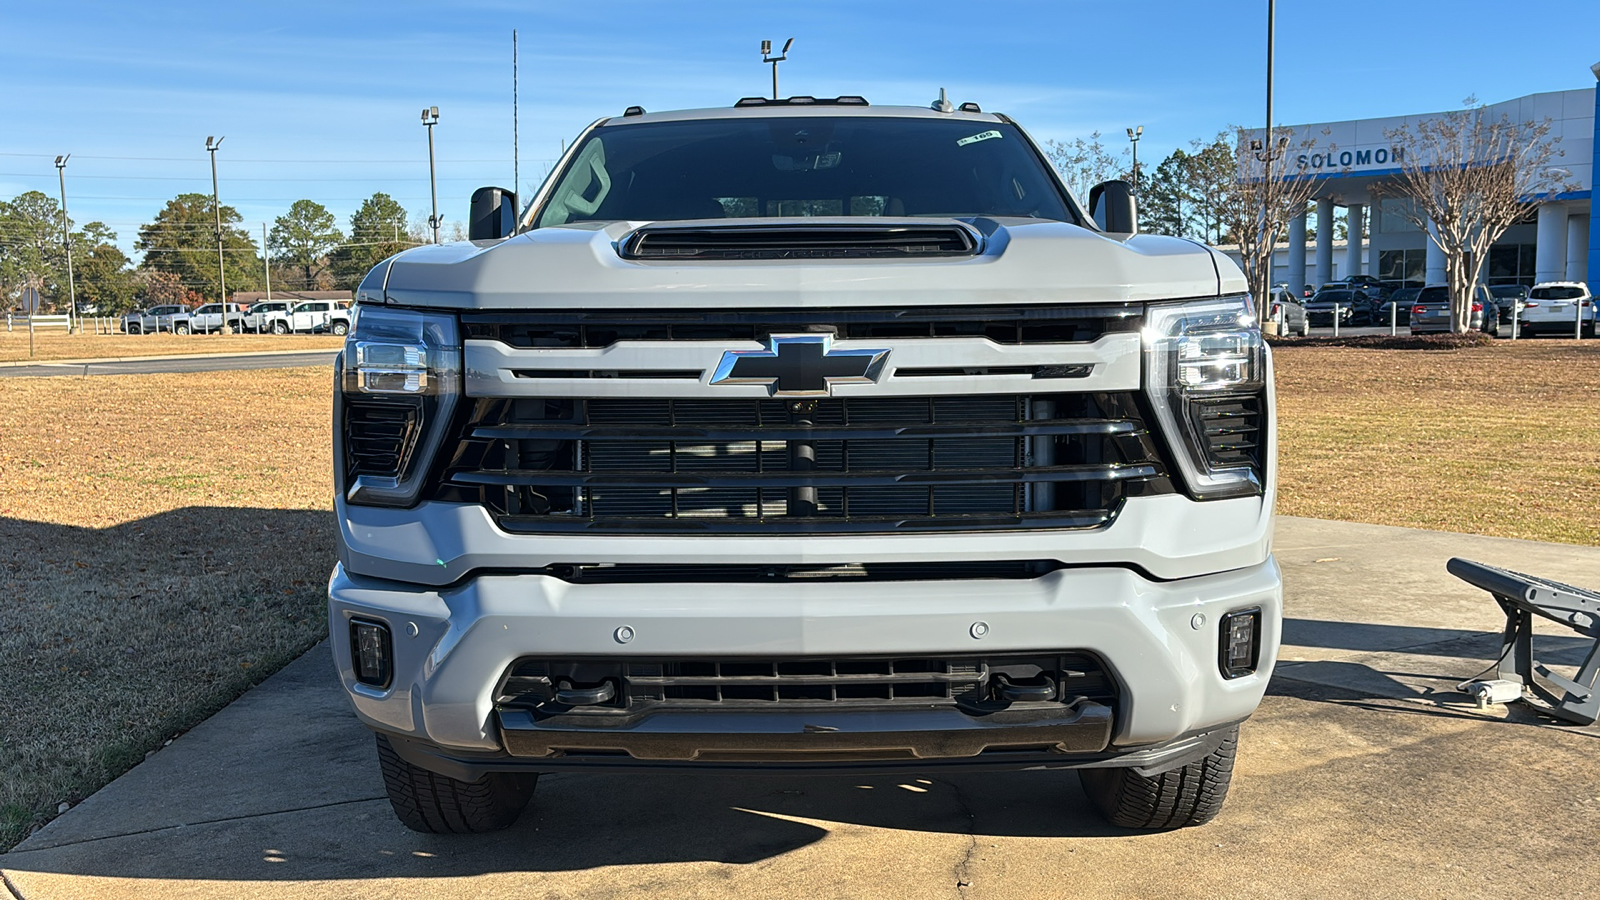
(1556, 242)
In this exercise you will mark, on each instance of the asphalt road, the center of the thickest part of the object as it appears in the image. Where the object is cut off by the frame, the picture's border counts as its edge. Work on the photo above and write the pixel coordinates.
(192, 364)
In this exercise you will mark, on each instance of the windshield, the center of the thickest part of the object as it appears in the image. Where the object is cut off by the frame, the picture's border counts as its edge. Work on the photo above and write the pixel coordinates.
(1406, 295)
(804, 166)
(1436, 294)
(1508, 290)
(1556, 293)
(1333, 297)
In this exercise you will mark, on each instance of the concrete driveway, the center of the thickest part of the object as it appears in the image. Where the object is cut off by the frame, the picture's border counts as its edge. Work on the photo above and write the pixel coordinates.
(1364, 774)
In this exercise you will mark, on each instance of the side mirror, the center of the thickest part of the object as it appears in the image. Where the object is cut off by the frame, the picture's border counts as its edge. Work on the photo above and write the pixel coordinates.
(494, 214)
(1113, 207)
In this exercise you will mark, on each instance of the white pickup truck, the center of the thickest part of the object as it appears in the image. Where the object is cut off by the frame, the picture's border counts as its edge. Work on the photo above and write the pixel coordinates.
(805, 435)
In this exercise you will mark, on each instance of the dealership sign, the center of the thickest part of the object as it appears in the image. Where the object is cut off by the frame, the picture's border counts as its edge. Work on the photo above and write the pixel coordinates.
(1351, 159)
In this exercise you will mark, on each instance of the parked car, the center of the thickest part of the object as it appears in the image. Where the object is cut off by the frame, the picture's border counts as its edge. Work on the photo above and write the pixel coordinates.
(1431, 312)
(208, 318)
(1397, 308)
(315, 317)
(261, 316)
(1368, 285)
(1506, 297)
(1355, 307)
(155, 319)
(1290, 311)
(1557, 307)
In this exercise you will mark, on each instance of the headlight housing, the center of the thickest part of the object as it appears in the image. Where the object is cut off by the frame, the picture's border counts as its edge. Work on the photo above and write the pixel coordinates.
(399, 381)
(1205, 373)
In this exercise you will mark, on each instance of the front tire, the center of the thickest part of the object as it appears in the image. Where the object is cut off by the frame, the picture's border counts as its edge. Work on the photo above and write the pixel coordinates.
(340, 328)
(180, 329)
(1179, 798)
(434, 804)
(280, 328)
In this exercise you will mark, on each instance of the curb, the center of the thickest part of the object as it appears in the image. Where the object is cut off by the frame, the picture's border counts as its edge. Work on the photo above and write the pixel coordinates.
(120, 359)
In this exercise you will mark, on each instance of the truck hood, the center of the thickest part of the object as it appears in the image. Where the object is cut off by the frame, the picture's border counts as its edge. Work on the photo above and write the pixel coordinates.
(1020, 262)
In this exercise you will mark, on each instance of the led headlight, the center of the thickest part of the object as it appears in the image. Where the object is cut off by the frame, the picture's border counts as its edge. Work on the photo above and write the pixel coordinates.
(1205, 371)
(400, 376)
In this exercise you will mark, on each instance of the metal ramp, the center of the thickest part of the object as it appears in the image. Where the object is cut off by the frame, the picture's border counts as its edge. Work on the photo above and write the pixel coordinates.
(1521, 597)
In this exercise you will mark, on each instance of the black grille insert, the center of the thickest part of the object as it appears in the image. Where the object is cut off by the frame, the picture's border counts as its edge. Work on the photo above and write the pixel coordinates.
(379, 434)
(1231, 427)
(597, 329)
(830, 465)
(975, 683)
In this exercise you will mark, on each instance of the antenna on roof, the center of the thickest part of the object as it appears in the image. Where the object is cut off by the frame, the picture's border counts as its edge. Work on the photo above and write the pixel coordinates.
(943, 104)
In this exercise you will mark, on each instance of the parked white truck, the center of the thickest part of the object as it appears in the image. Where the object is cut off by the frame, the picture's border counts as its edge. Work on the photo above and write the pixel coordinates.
(805, 435)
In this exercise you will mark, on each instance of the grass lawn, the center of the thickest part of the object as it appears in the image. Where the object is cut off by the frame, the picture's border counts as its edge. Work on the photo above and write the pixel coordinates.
(54, 343)
(1501, 440)
(165, 540)
(161, 549)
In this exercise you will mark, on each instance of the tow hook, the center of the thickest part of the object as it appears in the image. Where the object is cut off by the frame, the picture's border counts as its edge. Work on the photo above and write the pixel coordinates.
(1045, 689)
(567, 695)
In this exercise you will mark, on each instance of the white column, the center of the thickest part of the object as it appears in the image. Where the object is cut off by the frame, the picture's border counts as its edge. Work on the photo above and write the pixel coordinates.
(1578, 247)
(1550, 248)
(1324, 241)
(1375, 228)
(1297, 255)
(1353, 245)
(1436, 273)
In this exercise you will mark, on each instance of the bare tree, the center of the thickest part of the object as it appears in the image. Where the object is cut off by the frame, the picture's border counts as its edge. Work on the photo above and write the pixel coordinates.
(1085, 163)
(1470, 175)
(1255, 209)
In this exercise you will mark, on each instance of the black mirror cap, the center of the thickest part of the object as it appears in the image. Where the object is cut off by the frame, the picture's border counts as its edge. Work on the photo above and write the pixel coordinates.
(1113, 207)
(494, 214)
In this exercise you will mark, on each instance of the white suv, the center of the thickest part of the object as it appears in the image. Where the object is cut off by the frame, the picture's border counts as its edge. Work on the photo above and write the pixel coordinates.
(1559, 308)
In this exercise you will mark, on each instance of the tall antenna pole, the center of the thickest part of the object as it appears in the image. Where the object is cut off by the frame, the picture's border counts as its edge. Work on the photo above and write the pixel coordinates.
(516, 173)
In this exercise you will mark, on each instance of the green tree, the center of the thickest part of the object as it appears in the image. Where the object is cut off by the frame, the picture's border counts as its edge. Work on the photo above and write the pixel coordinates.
(181, 240)
(30, 246)
(102, 272)
(1211, 177)
(1165, 206)
(303, 238)
(377, 231)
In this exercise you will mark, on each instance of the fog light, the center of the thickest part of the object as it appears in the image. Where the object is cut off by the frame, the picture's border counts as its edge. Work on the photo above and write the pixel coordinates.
(371, 653)
(1241, 643)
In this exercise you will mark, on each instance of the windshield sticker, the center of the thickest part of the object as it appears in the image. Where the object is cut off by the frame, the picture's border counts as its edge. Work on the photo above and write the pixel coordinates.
(981, 136)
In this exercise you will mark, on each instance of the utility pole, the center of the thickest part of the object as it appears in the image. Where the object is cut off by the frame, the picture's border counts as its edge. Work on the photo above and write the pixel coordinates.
(1267, 151)
(1133, 137)
(216, 207)
(767, 57)
(66, 244)
(516, 172)
(430, 118)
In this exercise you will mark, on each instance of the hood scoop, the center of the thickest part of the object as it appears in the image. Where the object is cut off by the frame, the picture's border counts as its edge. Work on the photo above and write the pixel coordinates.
(822, 240)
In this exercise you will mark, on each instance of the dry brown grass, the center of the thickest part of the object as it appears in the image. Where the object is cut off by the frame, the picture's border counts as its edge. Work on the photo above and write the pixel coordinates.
(164, 544)
(57, 344)
(1501, 440)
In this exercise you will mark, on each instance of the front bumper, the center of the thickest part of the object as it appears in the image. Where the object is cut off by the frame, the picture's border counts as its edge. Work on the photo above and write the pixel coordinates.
(1158, 639)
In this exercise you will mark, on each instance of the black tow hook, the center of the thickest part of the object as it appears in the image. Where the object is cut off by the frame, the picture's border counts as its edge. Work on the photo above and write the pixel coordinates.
(567, 695)
(1019, 693)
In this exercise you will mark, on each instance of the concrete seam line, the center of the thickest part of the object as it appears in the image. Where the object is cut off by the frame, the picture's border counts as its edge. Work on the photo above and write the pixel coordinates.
(963, 868)
(262, 815)
(10, 888)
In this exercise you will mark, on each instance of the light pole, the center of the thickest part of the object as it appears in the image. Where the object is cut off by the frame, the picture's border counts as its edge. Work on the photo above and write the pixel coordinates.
(1133, 138)
(66, 243)
(430, 118)
(1267, 151)
(216, 207)
(767, 57)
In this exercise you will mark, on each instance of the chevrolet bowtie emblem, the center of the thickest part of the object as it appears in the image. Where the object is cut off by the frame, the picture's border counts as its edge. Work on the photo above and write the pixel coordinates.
(799, 365)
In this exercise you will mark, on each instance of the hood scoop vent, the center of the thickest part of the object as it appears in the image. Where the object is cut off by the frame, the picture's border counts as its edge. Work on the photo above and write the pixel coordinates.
(819, 241)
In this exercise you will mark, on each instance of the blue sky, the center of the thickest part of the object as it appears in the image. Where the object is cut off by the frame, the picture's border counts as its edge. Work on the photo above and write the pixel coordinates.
(322, 100)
